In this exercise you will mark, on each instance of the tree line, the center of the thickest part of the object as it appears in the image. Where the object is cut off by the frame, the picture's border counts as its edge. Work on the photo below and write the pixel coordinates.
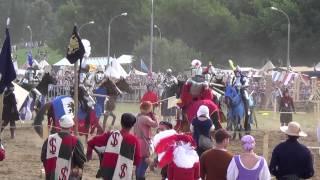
(247, 31)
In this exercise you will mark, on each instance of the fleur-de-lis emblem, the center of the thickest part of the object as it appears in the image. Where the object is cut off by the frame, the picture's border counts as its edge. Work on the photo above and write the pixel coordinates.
(73, 44)
(70, 107)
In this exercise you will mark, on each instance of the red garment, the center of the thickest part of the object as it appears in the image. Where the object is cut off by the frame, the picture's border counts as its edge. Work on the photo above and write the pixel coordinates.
(186, 97)
(98, 143)
(176, 173)
(2, 154)
(150, 96)
(94, 124)
(67, 146)
(143, 132)
(193, 108)
(206, 94)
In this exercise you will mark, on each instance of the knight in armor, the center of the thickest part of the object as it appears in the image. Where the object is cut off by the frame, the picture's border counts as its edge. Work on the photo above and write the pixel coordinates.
(169, 79)
(99, 76)
(209, 69)
(196, 88)
(241, 82)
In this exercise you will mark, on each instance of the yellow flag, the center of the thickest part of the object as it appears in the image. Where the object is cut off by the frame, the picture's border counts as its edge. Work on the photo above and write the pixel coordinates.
(231, 64)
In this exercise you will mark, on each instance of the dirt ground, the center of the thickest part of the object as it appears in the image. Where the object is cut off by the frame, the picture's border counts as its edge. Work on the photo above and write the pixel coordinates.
(23, 153)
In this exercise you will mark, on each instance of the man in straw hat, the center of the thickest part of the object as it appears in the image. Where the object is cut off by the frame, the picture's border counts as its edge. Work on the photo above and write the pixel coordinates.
(290, 159)
(62, 153)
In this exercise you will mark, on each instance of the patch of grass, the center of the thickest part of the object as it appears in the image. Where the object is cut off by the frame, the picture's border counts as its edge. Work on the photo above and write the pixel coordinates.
(37, 53)
(266, 120)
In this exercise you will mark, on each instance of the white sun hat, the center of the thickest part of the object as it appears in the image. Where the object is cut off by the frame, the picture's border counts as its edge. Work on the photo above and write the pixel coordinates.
(66, 121)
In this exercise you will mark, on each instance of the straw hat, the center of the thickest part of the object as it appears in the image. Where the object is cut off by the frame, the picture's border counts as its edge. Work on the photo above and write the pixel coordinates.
(293, 129)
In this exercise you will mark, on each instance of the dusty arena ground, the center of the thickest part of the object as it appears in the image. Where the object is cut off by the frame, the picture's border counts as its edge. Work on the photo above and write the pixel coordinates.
(23, 153)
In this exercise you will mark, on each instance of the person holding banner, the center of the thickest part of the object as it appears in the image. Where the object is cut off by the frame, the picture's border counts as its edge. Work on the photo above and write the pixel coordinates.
(10, 112)
(286, 108)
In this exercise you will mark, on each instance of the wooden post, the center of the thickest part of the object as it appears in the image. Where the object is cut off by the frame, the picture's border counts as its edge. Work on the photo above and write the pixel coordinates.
(266, 145)
(76, 97)
(275, 109)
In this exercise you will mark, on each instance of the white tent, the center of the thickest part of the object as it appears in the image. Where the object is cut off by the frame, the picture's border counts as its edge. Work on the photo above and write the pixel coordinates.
(43, 64)
(21, 95)
(317, 67)
(98, 61)
(115, 70)
(267, 66)
(125, 59)
(63, 62)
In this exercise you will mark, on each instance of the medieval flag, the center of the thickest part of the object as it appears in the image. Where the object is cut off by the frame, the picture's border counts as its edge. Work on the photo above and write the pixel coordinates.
(143, 66)
(29, 59)
(62, 105)
(75, 48)
(7, 72)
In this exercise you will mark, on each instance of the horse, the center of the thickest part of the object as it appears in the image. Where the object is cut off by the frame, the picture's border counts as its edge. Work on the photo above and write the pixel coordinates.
(37, 96)
(236, 110)
(86, 117)
(186, 114)
(112, 90)
(173, 90)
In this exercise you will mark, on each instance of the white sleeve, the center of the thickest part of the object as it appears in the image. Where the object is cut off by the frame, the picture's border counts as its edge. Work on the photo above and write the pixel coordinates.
(233, 171)
(191, 128)
(265, 173)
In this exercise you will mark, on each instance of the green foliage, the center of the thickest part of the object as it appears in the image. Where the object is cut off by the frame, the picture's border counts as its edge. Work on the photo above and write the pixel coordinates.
(247, 31)
(167, 54)
(38, 54)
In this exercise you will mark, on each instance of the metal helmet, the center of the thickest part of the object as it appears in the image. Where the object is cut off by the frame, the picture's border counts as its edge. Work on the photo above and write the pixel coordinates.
(169, 71)
(99, 69)
(99, 76)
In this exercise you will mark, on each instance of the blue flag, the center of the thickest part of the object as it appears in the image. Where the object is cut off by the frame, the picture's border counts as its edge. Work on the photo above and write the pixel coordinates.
(7, 72)
(143, 66)
(29, 58)
(62, 105)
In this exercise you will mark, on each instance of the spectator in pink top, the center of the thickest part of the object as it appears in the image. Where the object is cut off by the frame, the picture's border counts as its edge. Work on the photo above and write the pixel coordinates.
(146, 120)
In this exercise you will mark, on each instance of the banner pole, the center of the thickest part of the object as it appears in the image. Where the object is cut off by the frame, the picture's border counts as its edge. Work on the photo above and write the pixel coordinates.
(76, 97)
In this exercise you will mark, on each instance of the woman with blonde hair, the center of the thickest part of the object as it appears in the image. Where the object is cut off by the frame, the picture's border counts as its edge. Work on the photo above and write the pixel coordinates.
(248, 165)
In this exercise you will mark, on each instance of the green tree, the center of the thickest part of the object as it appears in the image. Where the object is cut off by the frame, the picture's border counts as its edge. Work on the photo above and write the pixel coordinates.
(167, 54)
